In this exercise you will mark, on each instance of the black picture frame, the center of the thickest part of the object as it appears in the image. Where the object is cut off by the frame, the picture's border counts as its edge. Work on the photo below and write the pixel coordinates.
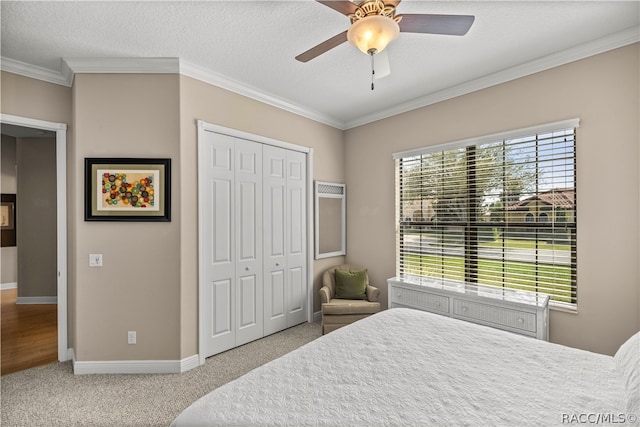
(127, 189)
(8, 220)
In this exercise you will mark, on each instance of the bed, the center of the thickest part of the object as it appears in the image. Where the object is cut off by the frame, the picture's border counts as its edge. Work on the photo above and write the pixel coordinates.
(404, 367)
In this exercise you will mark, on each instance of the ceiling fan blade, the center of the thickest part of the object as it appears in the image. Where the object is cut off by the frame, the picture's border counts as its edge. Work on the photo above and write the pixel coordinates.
(326, 45)
(381, 64)
(342, 6)
(453, 25)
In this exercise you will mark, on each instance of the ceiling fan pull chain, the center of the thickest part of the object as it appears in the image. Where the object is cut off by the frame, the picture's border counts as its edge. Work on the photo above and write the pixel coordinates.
(373, 71)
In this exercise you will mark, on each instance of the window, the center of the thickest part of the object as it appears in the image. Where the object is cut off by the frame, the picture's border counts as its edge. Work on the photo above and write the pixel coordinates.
(467, 211)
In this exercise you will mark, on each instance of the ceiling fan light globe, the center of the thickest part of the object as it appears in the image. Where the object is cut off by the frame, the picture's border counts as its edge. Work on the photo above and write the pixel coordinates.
(373, 32)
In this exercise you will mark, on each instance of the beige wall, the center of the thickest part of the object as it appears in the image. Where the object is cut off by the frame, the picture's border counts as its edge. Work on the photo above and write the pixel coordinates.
(603, 92)
(35, 99)
(36, 217)
(138, 287)
(201, 101)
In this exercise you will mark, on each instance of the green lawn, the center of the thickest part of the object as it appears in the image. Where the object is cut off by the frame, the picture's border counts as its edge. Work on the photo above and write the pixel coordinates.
(524, 244)
(552, 279)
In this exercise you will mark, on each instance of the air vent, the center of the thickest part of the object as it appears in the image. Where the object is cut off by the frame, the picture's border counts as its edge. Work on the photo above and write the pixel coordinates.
(330, 189)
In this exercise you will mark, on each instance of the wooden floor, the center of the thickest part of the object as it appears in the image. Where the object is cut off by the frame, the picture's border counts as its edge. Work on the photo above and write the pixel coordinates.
(29, 334)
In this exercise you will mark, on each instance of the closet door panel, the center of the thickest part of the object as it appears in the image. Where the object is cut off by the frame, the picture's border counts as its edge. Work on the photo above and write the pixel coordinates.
(248, 289)
(275, 228)
(218, 244)
(221, 231)
(274, 303)
(275, 223)
(296, 238)
(221, 300)
(296, 290)
(248, 226)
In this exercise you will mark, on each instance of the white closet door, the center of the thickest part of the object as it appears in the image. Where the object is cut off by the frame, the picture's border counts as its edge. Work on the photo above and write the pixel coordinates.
(274, 185)
(285, 290)
(217, 171)
(248, 236)
(296, 235)
(253, 219)
(232, 242)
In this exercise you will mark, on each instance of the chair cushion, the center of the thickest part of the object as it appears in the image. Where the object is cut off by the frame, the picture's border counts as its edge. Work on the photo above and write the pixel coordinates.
(350, 306)
(351, 284)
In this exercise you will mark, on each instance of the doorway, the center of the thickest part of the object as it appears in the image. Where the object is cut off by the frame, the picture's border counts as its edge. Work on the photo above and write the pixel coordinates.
(57, 131)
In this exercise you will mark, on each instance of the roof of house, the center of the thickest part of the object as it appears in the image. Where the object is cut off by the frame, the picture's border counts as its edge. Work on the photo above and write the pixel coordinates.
(557, 197)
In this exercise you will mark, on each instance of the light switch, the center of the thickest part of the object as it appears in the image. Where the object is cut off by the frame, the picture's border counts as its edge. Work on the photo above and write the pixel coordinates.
(95, 260)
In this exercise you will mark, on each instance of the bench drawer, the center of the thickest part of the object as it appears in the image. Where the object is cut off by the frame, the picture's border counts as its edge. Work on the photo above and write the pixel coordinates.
(496, 315)
(422, 300)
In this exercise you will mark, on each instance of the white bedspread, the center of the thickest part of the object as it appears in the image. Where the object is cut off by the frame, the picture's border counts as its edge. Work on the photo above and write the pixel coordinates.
(404, 367)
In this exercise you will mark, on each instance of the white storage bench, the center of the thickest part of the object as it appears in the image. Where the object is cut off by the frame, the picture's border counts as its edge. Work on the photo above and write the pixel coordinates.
(522, 312)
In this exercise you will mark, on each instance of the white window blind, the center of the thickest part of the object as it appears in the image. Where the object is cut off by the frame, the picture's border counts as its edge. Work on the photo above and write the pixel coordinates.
(497, 210)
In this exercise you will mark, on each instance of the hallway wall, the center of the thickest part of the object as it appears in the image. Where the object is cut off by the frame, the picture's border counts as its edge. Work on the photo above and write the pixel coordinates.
(8, 180)
(36, 218)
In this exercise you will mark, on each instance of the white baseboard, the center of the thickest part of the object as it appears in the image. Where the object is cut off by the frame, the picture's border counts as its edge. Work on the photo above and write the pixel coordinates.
(317, 316)
(37, 300)
(189, 363)
(8, 285)
(136, 366)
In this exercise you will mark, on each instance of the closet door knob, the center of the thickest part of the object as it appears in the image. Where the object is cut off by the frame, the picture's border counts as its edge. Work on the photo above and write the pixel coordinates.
(277, 264)
(246, 268)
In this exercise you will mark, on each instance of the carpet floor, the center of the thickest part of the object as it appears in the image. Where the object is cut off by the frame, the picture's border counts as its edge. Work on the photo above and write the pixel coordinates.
(53, 396)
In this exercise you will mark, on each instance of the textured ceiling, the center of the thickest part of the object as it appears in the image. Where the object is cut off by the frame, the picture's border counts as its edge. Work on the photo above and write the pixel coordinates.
(255, 42)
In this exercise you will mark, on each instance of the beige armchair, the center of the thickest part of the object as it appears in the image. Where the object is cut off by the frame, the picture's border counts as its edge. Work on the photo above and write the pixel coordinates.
(338, 312)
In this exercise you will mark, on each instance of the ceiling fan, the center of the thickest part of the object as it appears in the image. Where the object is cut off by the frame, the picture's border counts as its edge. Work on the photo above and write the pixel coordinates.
(374, 24)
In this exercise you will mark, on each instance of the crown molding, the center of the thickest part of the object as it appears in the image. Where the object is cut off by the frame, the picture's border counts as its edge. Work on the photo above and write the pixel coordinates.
(178, 66)
(123, 65)
(585, 50)
(39, 73)
(208, 76)
(72, 66)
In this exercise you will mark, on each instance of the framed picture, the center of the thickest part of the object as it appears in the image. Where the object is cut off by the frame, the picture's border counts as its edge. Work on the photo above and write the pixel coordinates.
(8, 219)
(126, 189)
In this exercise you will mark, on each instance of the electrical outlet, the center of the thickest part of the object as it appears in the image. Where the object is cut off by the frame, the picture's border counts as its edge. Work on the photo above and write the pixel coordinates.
(95, 260)
(131, 337)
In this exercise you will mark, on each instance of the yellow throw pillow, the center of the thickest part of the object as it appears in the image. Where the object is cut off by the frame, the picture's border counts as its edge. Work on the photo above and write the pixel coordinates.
(351, 284)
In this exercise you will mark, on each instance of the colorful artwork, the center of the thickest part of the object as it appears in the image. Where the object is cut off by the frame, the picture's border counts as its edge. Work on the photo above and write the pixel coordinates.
(128, 189)
(4, 214)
